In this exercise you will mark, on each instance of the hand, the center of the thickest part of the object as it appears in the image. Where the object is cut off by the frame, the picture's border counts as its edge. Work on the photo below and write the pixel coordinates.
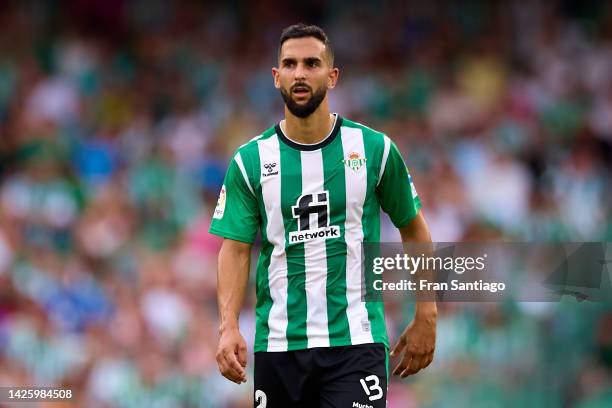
(417, 343)
(232, 355)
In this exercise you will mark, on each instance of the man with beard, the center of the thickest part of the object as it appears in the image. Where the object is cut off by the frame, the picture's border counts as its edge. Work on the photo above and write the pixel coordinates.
(314, 185)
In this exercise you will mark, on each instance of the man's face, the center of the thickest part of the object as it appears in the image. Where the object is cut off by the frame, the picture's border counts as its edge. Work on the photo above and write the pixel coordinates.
(304, 75)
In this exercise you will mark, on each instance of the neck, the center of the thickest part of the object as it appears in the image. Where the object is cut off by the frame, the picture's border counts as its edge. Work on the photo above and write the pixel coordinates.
(309, 130)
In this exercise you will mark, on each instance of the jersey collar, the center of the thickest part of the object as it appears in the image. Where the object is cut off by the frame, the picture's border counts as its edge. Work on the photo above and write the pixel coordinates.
(309, 147)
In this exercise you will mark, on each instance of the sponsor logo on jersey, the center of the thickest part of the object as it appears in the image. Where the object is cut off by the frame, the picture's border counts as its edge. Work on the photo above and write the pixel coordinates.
(269, 169)
(308, 207)
(358, 405)
(354, 162)
(296, 237)
(220, 208)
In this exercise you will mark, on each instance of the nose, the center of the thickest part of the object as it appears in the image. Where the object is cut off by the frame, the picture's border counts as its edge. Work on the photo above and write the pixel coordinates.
(300, 71)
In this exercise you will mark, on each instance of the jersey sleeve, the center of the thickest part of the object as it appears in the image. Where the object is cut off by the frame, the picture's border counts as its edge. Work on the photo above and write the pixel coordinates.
(396, 192)
(236, 215)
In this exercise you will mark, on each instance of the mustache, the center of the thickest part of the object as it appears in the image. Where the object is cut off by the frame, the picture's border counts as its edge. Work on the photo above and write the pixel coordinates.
(300, 85)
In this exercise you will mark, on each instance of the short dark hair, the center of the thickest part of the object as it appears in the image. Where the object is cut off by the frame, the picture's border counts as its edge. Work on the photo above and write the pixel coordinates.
(302, 30)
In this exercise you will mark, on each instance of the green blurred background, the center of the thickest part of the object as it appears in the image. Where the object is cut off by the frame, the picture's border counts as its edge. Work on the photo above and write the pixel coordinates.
(118, 119)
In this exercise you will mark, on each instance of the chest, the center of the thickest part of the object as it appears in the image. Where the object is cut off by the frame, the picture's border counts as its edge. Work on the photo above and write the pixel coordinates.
(312, 189)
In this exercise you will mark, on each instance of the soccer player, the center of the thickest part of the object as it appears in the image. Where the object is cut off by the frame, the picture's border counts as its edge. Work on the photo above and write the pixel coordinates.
(314, 185)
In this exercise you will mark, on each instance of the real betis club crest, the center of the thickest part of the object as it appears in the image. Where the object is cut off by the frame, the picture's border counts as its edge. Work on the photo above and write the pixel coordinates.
(354, 161)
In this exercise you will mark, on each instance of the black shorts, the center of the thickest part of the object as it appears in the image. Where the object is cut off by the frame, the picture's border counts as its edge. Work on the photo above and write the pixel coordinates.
(326, 377)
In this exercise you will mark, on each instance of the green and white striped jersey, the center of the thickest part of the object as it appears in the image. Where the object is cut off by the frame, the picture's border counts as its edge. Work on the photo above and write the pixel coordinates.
(315, 205)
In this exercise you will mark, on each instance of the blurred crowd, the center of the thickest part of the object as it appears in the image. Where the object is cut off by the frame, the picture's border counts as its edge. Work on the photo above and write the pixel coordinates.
(117, 122)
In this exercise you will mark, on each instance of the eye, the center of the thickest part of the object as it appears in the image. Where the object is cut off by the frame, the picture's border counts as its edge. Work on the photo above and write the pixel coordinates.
(313, 63)
(288, 63)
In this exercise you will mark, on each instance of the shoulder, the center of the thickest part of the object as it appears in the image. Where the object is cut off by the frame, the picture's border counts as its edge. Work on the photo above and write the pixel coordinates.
(246, 150)
(375, 141)
(368, 132)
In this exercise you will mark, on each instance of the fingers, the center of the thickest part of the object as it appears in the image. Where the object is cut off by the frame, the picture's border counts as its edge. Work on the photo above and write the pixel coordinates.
(242, 354)
(401, 367)
(233, 370)
(413, 360)
(398, 347)
(412, 364)
(416, 364)
(229, 366)
(236, 366)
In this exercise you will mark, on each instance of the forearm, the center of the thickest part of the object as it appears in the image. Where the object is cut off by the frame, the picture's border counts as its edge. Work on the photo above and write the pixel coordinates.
(417, 232)
(417, 343)
(232, 281)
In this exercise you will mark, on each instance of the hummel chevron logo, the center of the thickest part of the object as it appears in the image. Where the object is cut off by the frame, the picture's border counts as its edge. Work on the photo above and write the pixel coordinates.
(269, 169)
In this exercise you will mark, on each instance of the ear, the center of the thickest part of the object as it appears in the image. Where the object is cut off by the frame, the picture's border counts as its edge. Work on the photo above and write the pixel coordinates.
(333, 78)
(275, 77)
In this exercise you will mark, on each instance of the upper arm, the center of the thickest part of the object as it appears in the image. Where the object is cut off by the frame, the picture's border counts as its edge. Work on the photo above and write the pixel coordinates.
(396, 192)
(237, 213)
(416, 230)
(235, 248)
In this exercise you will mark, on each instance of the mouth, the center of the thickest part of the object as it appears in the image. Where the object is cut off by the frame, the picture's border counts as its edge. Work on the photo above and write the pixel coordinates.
(300, 91)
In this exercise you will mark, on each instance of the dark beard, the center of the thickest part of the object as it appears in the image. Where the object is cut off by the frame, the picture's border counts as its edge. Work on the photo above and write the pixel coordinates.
(305, 110)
